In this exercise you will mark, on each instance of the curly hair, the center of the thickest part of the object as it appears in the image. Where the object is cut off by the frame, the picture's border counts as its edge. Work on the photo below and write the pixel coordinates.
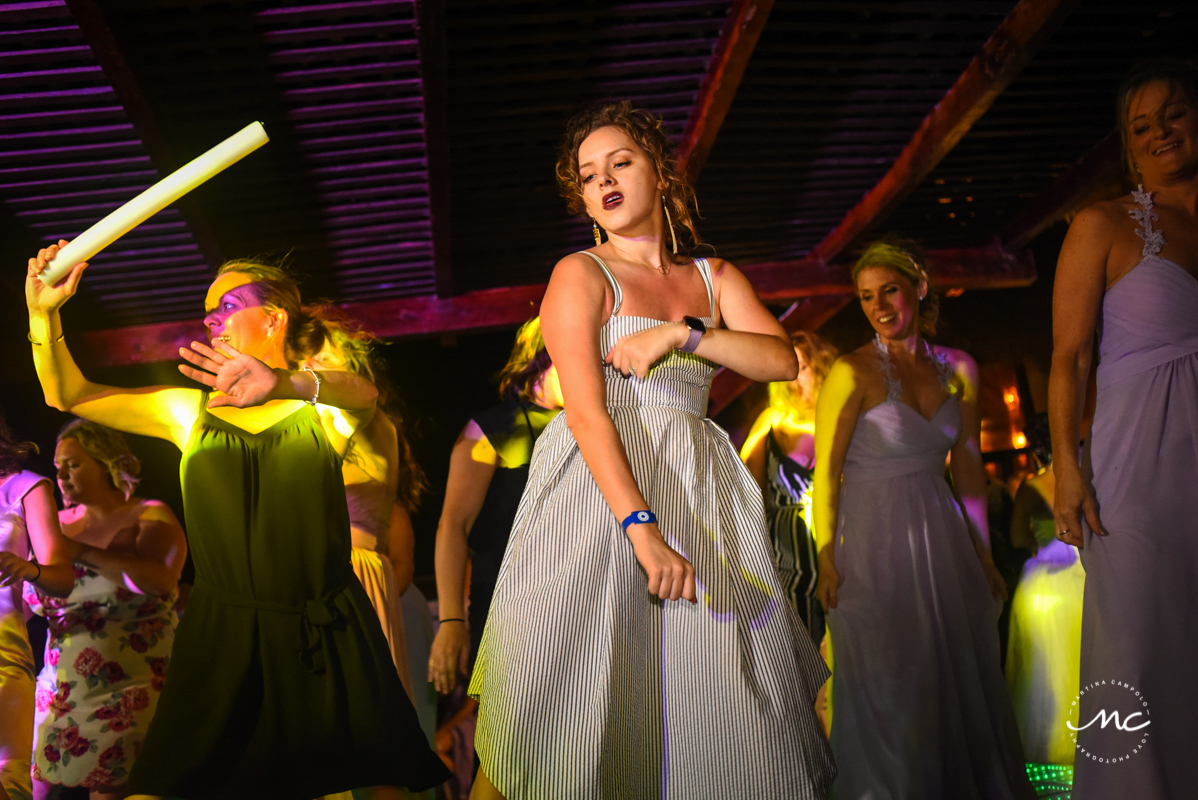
(1181, 77)
(12, 452)
(528, 361)
(109, 448)
(357, 347)
(644, 129)
(275, 288)
(819, 355)
(907, 259)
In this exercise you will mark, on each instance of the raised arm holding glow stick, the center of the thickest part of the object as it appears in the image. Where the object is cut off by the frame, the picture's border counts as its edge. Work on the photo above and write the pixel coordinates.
(154, 199)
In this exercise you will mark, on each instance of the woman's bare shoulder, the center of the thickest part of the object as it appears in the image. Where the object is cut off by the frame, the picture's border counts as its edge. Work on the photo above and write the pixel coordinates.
(958, 359)
(1104, 217)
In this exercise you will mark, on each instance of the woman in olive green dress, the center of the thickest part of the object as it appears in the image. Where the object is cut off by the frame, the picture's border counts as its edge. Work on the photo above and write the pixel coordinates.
(282, 684)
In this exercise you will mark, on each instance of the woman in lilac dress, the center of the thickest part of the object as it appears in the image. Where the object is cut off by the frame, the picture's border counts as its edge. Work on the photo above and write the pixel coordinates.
(1130, 268)
(919, 705)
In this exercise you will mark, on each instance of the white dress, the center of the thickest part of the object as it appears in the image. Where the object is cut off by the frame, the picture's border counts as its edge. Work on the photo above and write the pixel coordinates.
(589, 687)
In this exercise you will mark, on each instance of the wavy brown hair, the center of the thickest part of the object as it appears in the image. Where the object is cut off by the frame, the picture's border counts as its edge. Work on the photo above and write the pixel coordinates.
(644, 129)
(13, 452)
(907, 259)
(275, 288)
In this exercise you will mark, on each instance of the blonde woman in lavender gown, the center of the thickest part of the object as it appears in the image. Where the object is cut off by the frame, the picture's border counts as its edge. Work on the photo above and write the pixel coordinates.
(1129, 270)
(919, 705)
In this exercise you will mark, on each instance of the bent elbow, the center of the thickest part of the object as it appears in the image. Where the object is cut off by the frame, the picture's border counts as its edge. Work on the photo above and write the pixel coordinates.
(788, 362)
(56, 401)
(790, 371)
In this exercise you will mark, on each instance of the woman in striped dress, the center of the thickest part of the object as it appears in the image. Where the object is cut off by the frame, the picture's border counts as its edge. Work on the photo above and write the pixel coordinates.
(594, 680)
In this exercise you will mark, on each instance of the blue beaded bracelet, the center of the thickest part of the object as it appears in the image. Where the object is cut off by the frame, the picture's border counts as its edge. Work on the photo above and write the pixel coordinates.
(638, 518)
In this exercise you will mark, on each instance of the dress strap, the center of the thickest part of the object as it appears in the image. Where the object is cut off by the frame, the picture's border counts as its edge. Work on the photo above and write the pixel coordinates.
(894, 387)
(705, 271)
(617, 295)
(1154, 240)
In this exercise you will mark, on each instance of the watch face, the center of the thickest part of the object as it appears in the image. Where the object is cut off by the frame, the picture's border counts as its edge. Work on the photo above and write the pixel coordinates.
(695, 324)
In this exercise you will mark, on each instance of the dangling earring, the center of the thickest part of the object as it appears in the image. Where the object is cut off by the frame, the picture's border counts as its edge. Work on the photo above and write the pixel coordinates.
(595, 230)
(670, 223)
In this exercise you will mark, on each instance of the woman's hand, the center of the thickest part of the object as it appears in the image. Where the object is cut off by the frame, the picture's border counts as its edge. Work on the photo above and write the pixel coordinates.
(43, 299)
(244, 380)
(829, 582)
(448, 657)
(635, 354)
(1074, 498)
(15, 570)
(670, 575)
(998, 586)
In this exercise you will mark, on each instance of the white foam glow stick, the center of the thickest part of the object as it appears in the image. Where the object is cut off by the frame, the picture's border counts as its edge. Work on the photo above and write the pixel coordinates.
(154, 199)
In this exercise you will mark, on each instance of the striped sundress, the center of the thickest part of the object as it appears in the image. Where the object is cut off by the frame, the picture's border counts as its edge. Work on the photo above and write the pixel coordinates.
(591, 688)
(787, 514)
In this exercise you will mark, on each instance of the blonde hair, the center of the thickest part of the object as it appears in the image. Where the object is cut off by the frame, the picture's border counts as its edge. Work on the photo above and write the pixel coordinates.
(644, 129)
(528, 361)
(819, 355)
(908, 260)
(358, 349)
(109, 449)
(1181, 78)
(275, 288)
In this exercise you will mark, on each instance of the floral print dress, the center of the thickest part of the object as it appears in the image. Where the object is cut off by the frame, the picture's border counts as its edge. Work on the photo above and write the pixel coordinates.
(106, 661)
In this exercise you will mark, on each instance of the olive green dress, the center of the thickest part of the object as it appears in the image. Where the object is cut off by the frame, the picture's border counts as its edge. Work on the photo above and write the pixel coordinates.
(281, 684)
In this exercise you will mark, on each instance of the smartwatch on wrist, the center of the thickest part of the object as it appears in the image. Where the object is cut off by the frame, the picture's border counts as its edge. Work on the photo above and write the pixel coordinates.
(697, 330)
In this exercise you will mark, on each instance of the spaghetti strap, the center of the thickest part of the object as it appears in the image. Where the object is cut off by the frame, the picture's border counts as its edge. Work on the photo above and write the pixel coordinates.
(617, 295)
(705, 271)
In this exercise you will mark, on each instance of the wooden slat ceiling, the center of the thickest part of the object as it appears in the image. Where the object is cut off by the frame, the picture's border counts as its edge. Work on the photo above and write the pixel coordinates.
(359, 105)
(69, 155)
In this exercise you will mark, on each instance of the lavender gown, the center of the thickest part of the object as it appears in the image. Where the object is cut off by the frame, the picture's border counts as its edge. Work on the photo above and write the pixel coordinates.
(919, 707)
(1141, 598)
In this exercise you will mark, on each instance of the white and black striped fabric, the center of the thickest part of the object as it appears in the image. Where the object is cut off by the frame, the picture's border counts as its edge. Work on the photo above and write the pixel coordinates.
(589, 688)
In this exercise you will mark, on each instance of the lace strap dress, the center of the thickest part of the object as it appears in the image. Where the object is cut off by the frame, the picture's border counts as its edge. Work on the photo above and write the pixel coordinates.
(1138, 646)
(919, 705)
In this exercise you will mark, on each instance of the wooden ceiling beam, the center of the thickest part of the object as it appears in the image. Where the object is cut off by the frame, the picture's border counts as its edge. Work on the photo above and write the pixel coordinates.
(989, 267)
(738, 39)
(434, 85)
(1101, 165)
(94, 26)
(493, 309)
(1004, 55)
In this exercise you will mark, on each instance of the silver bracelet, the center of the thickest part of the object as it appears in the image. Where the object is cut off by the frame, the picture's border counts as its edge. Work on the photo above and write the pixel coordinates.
(315, 377)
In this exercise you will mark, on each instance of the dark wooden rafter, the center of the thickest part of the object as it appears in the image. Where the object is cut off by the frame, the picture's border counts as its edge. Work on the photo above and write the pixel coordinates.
(735, 46)
(990, 267)
(430, 16)
(92, 22)
(1101, 165)
(1008, 50)
(1002, 57)
(509, 306)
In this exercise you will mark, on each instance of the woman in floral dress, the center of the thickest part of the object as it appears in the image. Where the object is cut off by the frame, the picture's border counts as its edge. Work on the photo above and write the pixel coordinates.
(110, 641)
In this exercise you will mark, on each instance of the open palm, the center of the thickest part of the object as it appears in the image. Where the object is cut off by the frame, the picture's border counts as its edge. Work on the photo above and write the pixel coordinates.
(243, 380)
